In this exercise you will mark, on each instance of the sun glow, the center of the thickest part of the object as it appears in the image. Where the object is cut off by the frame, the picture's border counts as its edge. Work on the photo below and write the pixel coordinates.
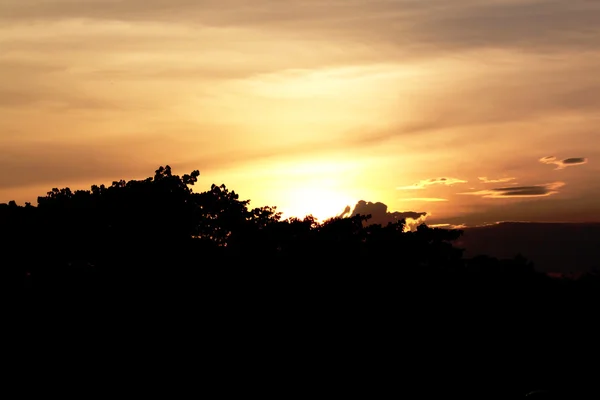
(316, 199)
(321, 187)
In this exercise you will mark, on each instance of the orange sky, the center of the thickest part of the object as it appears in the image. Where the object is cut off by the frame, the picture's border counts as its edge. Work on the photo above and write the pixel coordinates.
(311, 105)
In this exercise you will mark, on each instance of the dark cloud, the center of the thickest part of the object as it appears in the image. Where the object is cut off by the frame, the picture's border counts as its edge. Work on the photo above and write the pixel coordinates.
(576, 160)
(522, 191)
(380, 215)
(519, 191)
(562, 164)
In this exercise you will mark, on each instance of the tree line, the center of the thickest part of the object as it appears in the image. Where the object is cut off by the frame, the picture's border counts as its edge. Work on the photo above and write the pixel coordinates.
(157, 236)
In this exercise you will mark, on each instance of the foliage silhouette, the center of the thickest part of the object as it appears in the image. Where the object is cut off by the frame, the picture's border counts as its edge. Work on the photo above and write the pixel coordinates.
(159, 235)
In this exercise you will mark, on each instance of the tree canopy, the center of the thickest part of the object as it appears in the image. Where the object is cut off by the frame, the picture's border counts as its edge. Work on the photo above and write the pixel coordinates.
(159, 235)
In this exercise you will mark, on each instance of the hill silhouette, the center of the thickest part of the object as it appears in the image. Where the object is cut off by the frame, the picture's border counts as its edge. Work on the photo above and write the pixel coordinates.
(365, 294)
(567, 248)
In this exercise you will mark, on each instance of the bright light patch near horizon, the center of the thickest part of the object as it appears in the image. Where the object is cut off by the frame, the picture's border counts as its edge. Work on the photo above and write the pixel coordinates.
(322, 186)
(318, 187)
(320, 201)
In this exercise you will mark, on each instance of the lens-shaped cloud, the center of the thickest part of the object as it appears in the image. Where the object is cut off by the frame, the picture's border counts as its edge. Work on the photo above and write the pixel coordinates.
(519, 191)
(562, 164)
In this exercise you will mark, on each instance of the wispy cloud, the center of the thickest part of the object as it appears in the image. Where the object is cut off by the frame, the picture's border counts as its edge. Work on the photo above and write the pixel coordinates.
(562, 164)
(485, 179)
(519, 191)
(433, 181)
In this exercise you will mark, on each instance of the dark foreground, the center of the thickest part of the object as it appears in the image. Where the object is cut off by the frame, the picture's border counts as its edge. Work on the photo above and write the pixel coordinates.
(200, 286)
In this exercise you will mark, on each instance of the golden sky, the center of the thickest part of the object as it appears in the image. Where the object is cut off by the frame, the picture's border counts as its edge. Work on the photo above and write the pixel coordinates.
(437, 106)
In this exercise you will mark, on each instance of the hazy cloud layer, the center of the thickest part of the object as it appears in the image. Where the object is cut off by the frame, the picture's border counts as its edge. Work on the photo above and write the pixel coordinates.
(405, 88)
(52, 163)
(562, 164)
(433, 181)
(409, 24)
(519, 191)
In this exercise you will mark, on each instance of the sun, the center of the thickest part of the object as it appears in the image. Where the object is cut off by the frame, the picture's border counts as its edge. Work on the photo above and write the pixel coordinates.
(321, 187)
(318, 200)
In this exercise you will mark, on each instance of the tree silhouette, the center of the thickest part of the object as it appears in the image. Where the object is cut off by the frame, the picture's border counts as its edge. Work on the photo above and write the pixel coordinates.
(400, 288)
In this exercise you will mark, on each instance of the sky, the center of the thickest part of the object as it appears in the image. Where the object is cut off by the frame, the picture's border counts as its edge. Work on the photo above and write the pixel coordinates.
(459, 113)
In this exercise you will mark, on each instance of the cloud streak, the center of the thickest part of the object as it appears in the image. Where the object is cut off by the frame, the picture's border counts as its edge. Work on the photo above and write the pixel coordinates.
(424, 199)
(562, 164)
(485, 179)
(448, 226)
(519, 191)
(433, 181)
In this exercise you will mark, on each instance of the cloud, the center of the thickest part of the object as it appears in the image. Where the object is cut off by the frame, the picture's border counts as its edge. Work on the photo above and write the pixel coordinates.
(433, 181)
(157, 41)
(426, 26)
(538, 209)
(426, 199)
(519, 191)
(380, 215)
(448, 226)
(484, 179)
(562, 164)
(346, 213)
(459, 226)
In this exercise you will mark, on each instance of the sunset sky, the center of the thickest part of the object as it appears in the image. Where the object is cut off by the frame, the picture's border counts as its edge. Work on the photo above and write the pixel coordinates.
(472, 111)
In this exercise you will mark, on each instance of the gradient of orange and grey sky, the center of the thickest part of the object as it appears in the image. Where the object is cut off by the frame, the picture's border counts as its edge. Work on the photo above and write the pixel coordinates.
(446, 107)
